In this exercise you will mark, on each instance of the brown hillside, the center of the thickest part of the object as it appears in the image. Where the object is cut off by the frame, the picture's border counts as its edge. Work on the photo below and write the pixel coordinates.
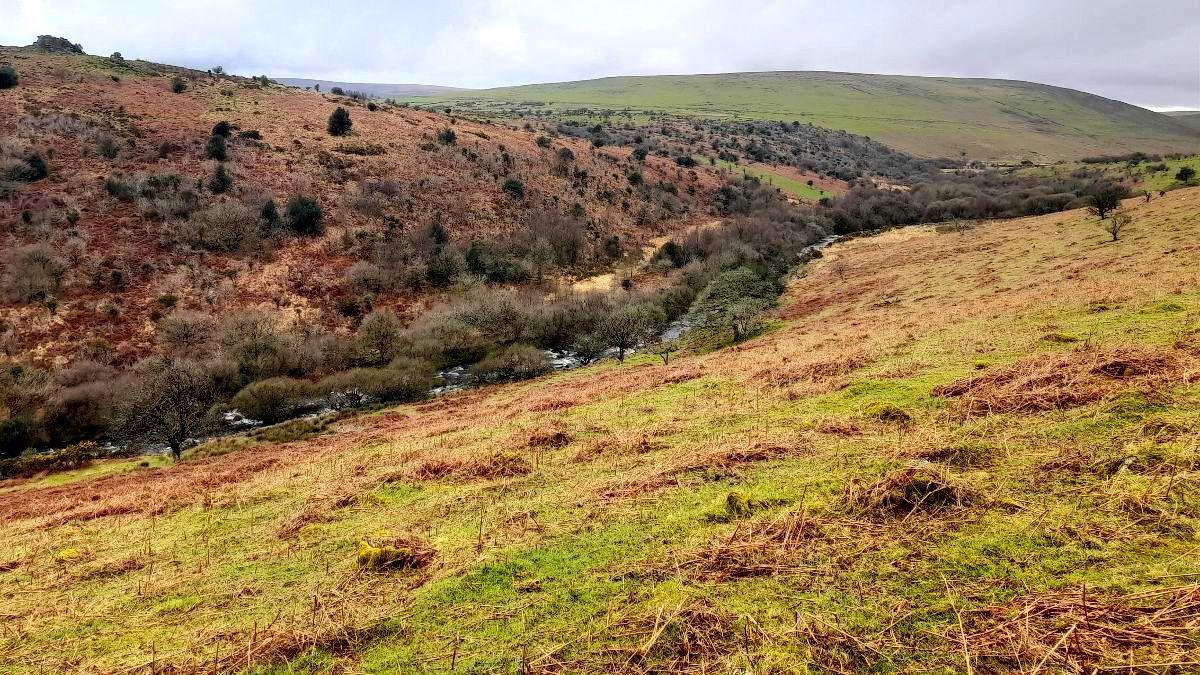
(119, 262)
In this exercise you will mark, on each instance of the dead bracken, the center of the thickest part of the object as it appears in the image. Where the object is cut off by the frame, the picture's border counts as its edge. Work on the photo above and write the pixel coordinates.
(1069, 379)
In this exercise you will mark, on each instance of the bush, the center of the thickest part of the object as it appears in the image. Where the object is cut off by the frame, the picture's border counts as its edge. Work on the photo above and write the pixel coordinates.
(8, 77)
(408, 381)
(337, 91)
(250, 135)
(217, 148)
(28, 169)
(304, 216)
(1185, 174)
(379, 336)
(222, 129)
(14, 437)
(220, 180)
(447, 136)
(272, 400)
(515, 362)
(514, 188)
(339, 122)
(178, 85)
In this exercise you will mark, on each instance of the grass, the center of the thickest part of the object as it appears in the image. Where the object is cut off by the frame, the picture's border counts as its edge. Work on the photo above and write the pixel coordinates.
(618, 550)
(986, 119)
(798, 189)
(1151, 181)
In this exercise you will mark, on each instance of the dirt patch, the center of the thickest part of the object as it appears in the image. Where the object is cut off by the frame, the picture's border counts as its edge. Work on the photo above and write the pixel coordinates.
(1070, 379)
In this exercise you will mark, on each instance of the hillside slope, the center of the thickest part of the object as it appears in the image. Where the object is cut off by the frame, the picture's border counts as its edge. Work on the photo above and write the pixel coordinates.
(130, 217)
(1190, 119)
(972, 448)
(928, 117)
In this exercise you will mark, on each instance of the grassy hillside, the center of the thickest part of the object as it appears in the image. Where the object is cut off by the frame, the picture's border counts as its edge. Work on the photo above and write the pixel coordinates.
(1190, 119)
(970, 449)
(930, 117)
(371, 88)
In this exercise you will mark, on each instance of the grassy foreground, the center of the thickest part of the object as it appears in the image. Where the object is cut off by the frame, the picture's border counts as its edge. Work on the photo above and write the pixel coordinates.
(926, 116)
(952, 451)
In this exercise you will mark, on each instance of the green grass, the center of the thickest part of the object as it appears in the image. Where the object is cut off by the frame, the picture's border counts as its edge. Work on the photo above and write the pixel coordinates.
(798, 189)
(985, 119)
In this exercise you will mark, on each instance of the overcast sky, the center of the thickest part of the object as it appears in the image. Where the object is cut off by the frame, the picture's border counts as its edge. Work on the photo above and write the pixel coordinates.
(1144, 53)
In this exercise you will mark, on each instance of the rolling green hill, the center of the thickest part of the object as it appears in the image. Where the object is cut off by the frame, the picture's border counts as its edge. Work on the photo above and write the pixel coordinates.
(986, 119)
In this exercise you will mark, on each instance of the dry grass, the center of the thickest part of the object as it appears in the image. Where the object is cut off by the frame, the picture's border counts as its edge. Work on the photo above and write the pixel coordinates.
(1071, 379)
(1082, 631)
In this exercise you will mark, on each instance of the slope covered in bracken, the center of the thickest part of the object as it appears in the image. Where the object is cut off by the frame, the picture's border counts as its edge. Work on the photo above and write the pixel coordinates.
(968, 448)
(120, 216)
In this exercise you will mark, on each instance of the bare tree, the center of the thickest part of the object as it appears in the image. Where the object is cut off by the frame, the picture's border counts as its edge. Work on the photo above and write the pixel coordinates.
(167, 403)
(1117, 224)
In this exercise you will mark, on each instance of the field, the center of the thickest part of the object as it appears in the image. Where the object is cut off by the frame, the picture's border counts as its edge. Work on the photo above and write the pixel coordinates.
(799, 189)
(931, 117)
(948, 451)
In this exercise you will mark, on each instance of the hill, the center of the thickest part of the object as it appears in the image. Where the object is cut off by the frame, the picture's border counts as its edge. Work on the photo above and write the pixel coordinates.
(374, 89)
(926, 116)
(1189, 118)
(123, 224)
(954, 449)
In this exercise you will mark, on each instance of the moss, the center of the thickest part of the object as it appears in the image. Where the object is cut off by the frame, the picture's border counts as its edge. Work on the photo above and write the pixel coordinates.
(401, 554)
(886, 412)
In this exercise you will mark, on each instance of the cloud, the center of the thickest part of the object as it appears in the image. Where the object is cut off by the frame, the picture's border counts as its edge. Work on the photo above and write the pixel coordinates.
(1150, 57)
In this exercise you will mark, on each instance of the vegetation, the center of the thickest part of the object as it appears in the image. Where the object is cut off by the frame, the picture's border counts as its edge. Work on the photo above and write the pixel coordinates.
(8, 77)
(339, 122)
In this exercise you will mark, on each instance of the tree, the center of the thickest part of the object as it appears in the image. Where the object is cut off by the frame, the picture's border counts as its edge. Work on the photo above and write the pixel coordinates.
(339, 122)
(589, 347)
(1105, 199)
(663, 350)
(626, 327)
(304, 216)
(447, 136)
(542, 256)
(216, 148)
(379, 336)
(269, 215)
(168, 403)
(742, 316)
(1117, 224)
(1185, 174)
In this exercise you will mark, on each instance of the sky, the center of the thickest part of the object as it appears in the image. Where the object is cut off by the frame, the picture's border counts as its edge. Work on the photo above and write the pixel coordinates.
(1146, 54)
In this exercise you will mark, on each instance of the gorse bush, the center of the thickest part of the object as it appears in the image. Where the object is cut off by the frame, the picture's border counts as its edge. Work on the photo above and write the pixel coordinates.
(304, 217)
(178, 85)
(339, 122)
(216, 148)
(8, 77)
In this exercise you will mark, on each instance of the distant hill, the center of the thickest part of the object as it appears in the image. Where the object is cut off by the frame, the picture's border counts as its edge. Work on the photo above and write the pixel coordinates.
(373, 88)
(927, 116)
(1189, 118)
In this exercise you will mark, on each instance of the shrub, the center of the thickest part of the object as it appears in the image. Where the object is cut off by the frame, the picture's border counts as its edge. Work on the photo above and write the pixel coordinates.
(272, 400)
(107, 146)
(304, 216)
(409, 381)
(337, 91)
(220, 180)
(222, 129)
(339, 122)
(514, 188)
(515, 362)
(1185, 174)
(217, 148)
(543, 142)
(251, 135)
(28, 169)
(447, 136)
(224, 226)
(178, 85)
(8, 77)
(14, 437)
